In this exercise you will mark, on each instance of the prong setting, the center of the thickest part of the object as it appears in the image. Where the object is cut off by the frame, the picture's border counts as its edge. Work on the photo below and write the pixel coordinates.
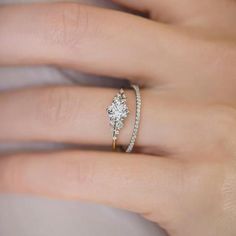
(117, 112)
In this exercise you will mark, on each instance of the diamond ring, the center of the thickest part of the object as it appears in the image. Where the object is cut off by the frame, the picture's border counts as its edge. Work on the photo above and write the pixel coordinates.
(118, 111)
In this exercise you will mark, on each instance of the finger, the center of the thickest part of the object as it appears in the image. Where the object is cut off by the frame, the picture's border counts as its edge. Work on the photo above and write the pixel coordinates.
(80, 37)
(138, 183)
(61, 114)
(78, 115)
(84, 38)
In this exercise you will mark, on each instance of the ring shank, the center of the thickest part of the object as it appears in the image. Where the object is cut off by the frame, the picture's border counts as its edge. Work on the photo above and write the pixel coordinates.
(113, 144)
(137, 118)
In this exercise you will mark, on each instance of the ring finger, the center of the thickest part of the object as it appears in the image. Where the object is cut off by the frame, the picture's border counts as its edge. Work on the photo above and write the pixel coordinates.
(78, 115)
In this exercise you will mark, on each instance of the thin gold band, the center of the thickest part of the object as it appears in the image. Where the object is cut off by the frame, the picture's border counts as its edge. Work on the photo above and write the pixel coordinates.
(113, 144)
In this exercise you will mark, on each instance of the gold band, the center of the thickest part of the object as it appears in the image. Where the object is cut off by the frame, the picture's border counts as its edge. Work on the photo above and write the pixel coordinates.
(113, 144)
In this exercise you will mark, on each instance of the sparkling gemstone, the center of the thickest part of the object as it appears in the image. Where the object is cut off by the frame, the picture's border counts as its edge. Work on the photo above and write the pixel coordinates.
(117, 112)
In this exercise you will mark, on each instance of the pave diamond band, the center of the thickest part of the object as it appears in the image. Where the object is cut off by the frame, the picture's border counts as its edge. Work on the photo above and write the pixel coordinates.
(118, 111)
(137, 118)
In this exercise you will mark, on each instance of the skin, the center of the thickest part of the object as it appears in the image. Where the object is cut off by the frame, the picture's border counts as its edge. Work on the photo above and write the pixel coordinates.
(184, 57)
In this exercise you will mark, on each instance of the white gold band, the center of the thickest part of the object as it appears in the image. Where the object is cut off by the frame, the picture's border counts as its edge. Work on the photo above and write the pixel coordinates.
(137, 118)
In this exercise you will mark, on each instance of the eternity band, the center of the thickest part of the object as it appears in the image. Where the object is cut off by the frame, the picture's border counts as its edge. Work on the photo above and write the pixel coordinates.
(137, 118)
(118, 111)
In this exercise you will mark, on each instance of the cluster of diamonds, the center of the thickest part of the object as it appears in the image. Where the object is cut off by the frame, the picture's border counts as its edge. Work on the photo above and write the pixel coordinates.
(117, 112)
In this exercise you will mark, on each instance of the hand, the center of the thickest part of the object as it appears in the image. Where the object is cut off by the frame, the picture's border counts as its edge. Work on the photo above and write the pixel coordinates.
(183, 174)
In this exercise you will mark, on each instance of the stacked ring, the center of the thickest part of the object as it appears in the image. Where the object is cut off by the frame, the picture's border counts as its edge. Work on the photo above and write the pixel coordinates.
(118, 111)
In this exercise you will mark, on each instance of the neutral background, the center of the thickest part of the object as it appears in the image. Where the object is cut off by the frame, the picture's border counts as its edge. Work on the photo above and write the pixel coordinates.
(27, 216)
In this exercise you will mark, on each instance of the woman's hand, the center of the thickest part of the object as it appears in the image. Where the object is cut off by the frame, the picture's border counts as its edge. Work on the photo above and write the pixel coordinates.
(183, 175)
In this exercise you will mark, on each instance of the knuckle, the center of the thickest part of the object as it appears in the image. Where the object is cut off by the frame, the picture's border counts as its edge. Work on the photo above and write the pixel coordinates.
(223, 120)
(228, 192)
(77, 173)
(205, 186)
(11, 174)
(57, 106)
(177, 182)
(224, 56)
(212, 186)
(68, 24)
